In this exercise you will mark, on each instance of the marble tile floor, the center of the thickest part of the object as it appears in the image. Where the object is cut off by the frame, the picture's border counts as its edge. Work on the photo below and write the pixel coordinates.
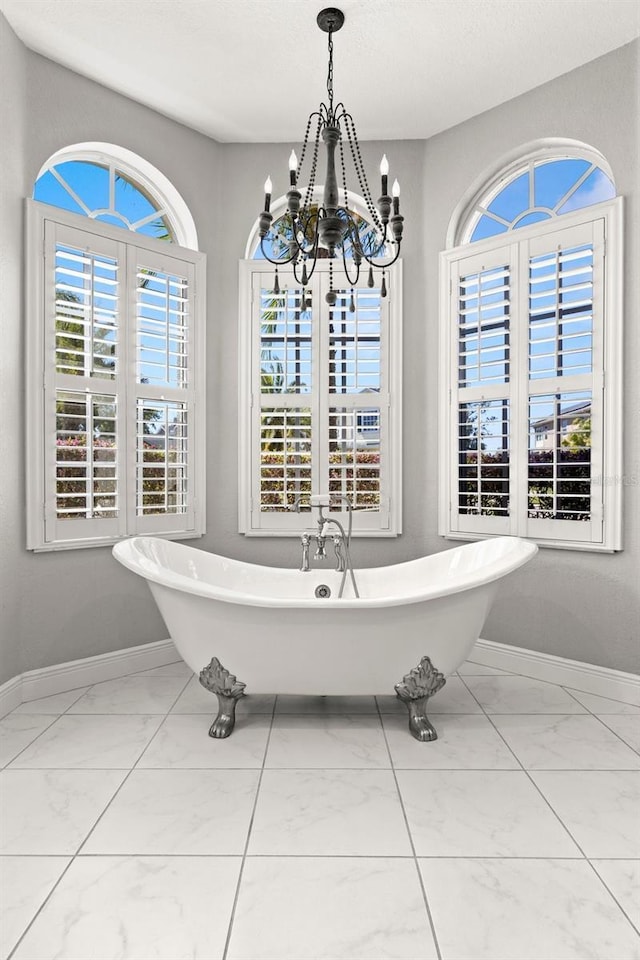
(320, 830)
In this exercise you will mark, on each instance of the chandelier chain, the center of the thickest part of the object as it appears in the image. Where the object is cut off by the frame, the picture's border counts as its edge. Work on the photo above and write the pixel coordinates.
(359, 168)
(305, 142)
(314, 163)
(330, 74)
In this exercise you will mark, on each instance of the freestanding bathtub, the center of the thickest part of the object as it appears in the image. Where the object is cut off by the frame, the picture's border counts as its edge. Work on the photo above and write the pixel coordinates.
(413, 624)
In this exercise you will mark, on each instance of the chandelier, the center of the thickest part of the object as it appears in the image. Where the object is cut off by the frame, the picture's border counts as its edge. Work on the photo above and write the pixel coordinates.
(312, 230)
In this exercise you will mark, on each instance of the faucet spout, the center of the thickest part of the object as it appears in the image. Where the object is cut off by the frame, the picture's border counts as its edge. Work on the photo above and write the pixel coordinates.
(305, 540)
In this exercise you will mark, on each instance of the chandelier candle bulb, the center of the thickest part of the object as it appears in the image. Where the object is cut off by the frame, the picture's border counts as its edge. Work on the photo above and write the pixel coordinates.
(268, 187)
(384, 170)
(293, 166)
(396, 197)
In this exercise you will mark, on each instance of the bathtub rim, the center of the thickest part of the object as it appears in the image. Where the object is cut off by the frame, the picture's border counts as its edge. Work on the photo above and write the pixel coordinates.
(520, 552)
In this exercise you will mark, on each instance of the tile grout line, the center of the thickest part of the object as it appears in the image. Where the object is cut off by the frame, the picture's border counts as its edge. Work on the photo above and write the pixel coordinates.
(247, 841)
(411, 843)
(634, 925)
(585, 858)
(534, 784)
(40, 908)
(99, 818)
(27, 745)
(134, 765)
(599, 717)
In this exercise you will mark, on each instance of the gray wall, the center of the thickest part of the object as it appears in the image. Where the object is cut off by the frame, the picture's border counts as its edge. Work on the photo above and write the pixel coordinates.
(571, 604)
(13, 58)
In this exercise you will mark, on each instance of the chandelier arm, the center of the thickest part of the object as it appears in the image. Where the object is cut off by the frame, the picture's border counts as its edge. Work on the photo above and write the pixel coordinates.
(311, 250)
(277, 263)
(352, 283)
(389, 263)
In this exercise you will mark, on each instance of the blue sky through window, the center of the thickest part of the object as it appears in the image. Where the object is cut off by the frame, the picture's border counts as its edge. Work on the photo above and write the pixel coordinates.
(556, 187)
(91, 184)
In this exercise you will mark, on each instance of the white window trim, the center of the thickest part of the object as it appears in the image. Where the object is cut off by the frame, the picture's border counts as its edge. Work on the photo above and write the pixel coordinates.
(291, 525)
(611, 212)
(169, 201)
(499, 174)
(37, 439)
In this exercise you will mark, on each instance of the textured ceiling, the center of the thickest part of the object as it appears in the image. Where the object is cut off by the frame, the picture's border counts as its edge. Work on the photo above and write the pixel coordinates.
(252, 70)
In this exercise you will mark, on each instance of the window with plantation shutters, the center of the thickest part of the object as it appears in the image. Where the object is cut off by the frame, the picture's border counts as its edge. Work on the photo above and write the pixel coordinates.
(319, 405)
(531, 345)
(115, 339)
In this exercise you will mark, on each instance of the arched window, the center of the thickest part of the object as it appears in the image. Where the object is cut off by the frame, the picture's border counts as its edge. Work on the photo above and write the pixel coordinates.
(115, 353)
(112, 185)
(531, 332)
(537, 190)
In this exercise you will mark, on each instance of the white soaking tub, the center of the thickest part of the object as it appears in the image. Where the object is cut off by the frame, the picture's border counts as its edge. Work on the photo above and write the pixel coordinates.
(413, 624)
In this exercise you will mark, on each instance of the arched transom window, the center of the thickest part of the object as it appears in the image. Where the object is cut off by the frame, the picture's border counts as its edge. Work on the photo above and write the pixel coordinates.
(537, 190)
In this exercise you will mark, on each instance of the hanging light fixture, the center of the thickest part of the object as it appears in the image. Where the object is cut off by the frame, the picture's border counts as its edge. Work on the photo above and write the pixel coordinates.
(329, 229)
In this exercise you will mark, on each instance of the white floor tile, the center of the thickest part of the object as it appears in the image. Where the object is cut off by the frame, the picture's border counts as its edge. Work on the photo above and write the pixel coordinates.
(329, 813)
(17, 731)
(196, 699)
(600, 808)
(522, 695)
(178, 812)
(326, 705)
(466, 742)
(330, 909)
(452, 698)
(90, 741)
(55, 704)
(25, 883)
(512, 909)
(603, 704)
(135, 694)
(52, 811)
(479, 813)
(136, 908)
(622, 877)
(565, 743)
(627, 726)
(334, 741)
(183, 741)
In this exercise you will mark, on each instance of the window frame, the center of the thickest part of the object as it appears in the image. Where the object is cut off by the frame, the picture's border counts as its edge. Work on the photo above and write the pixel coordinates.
(607, 375)
(40, 379)
(291, 524)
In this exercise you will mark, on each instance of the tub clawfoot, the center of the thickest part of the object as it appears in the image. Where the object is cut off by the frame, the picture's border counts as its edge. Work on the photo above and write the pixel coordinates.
(414, 690)
(228, 690)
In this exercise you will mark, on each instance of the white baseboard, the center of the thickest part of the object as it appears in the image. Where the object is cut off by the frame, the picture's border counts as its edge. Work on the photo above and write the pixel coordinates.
(10, 695)
(569, 673)
(82, 673)
(108, 666)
